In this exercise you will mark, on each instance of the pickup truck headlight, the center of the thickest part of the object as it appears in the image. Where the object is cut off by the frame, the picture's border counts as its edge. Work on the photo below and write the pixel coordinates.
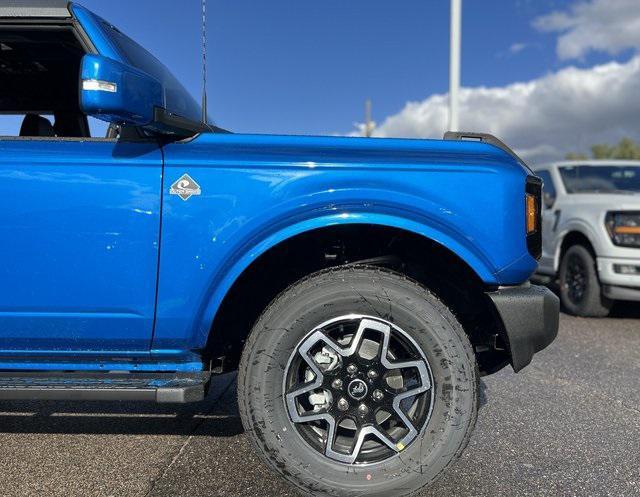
(624, 228)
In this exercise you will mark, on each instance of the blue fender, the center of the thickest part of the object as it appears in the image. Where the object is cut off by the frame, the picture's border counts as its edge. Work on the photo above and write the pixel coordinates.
(258, 191)
(223, 283)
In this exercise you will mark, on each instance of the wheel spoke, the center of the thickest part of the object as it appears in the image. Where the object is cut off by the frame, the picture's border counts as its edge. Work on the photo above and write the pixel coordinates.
(301, 388)
(359, 440)
(419, 365)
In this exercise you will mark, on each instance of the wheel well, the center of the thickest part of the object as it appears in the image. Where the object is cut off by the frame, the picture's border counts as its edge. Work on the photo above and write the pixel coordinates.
(575, 238)
(420, 258)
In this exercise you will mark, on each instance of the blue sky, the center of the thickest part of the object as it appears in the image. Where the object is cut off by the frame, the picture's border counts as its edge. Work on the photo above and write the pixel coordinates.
(303, 67)
(306, 67)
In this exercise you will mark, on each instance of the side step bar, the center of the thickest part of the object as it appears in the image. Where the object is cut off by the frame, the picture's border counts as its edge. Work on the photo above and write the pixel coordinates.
(163, 388)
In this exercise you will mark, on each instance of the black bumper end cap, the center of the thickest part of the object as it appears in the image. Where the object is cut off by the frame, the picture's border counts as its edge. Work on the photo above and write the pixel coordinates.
(530, 315)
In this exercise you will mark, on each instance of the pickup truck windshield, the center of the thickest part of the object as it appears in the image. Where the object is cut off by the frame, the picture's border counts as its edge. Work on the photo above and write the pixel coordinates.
(601, 179)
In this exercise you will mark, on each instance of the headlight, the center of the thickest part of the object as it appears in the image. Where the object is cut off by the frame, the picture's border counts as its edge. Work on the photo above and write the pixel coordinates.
(624, 228)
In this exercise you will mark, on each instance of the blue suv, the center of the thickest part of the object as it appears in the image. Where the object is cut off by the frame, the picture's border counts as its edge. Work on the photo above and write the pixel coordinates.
(360, 287)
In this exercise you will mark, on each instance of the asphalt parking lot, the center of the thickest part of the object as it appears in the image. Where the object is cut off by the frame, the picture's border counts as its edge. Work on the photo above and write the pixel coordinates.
(567, 425)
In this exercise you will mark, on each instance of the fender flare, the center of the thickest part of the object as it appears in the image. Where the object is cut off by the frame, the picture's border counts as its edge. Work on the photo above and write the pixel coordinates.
(223, 283)
(573, 226)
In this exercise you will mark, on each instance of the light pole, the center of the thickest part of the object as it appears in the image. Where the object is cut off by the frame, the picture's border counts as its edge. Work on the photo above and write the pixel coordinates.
(204, 62)
(368, 126)
(454, 64)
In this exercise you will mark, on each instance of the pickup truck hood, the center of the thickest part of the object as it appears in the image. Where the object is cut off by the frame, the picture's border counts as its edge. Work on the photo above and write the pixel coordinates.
(609, 201)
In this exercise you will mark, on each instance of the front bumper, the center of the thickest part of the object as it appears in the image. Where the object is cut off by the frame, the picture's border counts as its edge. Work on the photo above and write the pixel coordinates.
(616, 285)
(530, 315)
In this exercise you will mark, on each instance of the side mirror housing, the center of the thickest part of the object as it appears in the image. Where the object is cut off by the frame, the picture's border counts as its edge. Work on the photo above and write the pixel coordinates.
(548, 200)
(118, 93)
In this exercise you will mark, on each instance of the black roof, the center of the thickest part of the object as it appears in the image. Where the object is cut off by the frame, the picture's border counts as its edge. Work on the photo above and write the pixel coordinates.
(34, 8)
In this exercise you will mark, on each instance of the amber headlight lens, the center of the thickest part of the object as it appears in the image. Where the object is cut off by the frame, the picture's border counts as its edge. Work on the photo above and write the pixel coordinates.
(624, 228)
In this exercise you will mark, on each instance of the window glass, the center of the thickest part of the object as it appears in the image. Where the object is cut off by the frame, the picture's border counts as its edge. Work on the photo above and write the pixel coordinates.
(97, 127)
(10, 124)
(39, 69)
(601, 179)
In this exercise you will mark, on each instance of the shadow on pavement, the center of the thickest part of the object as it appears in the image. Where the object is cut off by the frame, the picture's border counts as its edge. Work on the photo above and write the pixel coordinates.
(626, 310)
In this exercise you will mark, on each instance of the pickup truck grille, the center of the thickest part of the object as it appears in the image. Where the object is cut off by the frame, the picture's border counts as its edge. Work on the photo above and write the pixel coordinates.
(534, 240)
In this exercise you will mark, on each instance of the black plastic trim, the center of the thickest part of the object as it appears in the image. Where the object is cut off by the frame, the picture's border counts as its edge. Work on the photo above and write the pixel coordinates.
(534, 240)
(615, 292)
(167, 122)
(530, 315)
(484, 138)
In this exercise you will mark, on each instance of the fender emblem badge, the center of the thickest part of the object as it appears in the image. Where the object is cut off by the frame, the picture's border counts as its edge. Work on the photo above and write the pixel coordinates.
(185, 187)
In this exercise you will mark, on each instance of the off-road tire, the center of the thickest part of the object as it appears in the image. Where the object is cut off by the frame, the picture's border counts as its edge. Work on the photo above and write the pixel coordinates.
(591, 301)
(376, 292)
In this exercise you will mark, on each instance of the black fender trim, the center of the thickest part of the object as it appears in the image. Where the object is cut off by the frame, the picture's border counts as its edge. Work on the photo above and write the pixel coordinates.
(530, 315)
(484, 138)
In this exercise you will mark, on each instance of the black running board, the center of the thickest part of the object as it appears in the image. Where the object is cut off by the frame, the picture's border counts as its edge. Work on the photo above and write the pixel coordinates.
(164, 388)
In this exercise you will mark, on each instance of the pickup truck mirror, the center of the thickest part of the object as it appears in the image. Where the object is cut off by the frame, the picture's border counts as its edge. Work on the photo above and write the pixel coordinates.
(548, 200)
(118, 93)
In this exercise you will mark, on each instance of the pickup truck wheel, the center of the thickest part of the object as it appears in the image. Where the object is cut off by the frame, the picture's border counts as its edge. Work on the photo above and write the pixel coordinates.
(358, 381)
(580, 289)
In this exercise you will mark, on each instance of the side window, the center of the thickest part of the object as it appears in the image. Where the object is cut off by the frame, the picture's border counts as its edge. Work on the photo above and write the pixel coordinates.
(39, 69)
(12, 125)
(548, 189)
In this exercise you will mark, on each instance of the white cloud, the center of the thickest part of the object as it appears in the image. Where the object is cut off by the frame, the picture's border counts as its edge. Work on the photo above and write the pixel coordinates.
(542, 119)
(517, 48)
(608, 26)
(514, 49)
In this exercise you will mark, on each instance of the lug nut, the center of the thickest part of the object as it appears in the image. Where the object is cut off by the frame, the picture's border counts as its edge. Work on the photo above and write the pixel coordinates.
(352, 368)
(363, 410)
(337, 384)
(343, 405)
(372, 374)
(377, 395)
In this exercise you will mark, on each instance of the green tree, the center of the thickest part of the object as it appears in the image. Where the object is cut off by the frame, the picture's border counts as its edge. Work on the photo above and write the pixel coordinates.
(625, 149)
(602, 151)
(574, 156)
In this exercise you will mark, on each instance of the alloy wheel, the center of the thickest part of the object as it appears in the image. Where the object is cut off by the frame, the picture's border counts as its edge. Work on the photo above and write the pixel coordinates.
(358, 389)
(576, 279)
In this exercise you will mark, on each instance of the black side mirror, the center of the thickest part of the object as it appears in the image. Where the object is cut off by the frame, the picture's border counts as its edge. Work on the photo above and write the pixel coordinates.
(548, 200)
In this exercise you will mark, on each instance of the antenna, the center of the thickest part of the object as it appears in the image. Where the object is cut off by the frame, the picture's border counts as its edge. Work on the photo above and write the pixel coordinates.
(204, 62)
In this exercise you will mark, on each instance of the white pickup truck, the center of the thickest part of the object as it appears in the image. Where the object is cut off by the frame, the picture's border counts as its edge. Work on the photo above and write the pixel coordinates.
(591, 233)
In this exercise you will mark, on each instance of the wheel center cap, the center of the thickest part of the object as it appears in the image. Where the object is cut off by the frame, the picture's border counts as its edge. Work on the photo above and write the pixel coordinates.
(358, 389)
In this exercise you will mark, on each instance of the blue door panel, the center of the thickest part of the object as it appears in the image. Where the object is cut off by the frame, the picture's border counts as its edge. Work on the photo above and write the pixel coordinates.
(79, 227)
